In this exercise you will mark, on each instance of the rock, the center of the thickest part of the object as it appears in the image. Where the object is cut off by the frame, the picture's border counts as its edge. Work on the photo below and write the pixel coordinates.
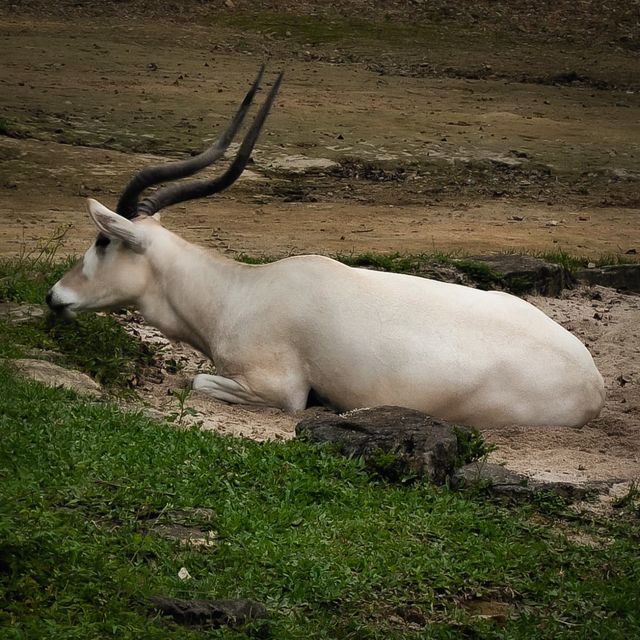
(213, 613)
(301, 164)
(618, 276)
(443, 273)
(394, 442)
(55, 376)
(497, 480)
(17, 313)
(527, 275)
(506, 161)
(186, 535)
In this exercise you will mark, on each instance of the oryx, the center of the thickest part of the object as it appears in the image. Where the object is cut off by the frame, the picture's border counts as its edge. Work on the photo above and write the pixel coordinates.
(309, 324)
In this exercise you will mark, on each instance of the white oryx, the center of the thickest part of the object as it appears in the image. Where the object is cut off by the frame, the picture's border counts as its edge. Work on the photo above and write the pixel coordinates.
(310, 325)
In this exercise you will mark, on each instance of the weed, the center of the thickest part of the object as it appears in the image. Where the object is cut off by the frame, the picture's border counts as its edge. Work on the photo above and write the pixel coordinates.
(393, 262)
(471, 446)
(95, 344)
(479, 272)
(390, 466)
(247, 259)
(181, 396)
(570, 263)
(630, 501)
(573, 263)
(28, 277)
(10, 130)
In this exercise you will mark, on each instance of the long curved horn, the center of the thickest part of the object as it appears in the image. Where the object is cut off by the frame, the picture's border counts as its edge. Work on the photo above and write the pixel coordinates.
(174, 193)
(149, 176)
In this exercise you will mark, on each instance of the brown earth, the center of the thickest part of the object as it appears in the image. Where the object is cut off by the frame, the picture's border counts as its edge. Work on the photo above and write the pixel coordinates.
(468, 127)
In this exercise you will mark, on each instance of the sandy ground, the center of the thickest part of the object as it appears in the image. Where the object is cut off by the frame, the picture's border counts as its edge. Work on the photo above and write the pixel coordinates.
(433, 137)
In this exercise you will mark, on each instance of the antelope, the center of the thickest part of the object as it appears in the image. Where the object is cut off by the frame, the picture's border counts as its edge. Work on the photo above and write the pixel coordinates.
(309, 326)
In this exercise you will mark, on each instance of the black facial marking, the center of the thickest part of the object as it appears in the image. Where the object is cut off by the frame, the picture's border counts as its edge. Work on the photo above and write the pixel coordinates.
(102, 241)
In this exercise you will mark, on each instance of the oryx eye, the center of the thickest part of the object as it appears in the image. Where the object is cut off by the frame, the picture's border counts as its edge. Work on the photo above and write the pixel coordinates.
(102, 241)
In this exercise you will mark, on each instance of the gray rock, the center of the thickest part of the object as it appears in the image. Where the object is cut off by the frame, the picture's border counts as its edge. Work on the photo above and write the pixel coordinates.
(394, 442)
(17, 313)
(497, 480)
(213, 613)
(526, 275)
(55, 376)
(187, 535)
(619, 276)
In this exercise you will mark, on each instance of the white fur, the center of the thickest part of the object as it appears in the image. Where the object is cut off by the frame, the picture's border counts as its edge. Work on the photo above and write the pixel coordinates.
(90, 263)
(116, 226)
(356, 337)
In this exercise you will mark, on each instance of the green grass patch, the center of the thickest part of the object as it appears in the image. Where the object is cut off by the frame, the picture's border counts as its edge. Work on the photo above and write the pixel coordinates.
(472, 447)
(10, 129)
(573, 263)
(95, 344)
(247, 259)
(331, 552)
(478, 272)
(394, 262)
(330, 29)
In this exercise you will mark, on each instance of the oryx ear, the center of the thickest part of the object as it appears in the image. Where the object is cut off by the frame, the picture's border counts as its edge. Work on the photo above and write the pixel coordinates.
(116, 227)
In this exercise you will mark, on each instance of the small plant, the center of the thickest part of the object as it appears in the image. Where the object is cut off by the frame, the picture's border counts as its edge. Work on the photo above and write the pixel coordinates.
(95, 344)
(630, 501)
(10, 130)
(479, 272)
(181, 396)
(390, 466)
(394, 262)
(28, 277)
(471, 446)
(246, 259)
(101, 347)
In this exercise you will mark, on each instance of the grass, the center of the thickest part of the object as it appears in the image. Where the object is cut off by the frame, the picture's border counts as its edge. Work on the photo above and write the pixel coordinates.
(394, 262)
(27, 277)
(478, 272)
(10, 129)
(330, 551)
(573, 263)
(333, 29)
(95, 344)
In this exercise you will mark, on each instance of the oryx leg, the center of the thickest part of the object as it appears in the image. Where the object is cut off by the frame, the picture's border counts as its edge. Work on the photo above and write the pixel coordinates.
(286, 396)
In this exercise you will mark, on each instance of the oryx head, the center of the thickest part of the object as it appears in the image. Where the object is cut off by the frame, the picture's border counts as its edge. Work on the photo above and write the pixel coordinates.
(115, 270)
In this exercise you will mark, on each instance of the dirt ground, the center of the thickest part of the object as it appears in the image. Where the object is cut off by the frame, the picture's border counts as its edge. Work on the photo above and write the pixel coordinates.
(474, 130)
